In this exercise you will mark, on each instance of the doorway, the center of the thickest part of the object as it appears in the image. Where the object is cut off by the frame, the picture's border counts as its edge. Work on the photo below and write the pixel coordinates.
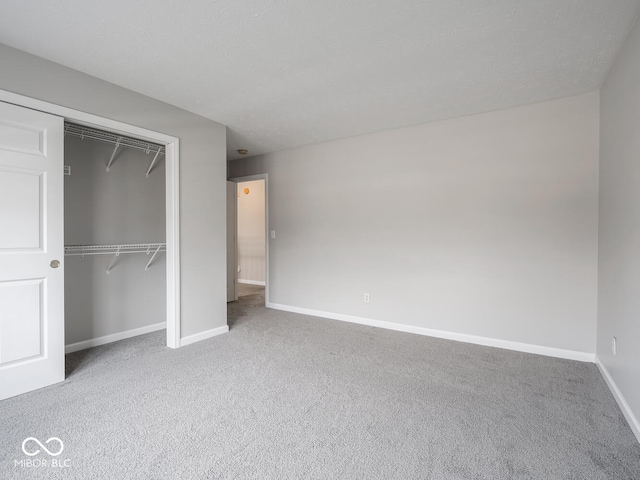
(251, 268)
(114, 236)
(171, 167)
(33, 212)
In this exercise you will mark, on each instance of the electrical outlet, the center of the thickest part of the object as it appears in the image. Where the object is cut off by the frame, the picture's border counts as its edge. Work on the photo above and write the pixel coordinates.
(273, 234)
(614, 345)
(367, 298)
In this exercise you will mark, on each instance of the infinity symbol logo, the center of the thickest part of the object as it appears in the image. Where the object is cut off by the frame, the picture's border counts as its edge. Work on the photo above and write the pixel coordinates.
(52, 439)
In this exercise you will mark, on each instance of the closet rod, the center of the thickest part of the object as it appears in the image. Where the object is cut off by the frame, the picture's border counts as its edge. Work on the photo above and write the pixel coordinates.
(113, 138)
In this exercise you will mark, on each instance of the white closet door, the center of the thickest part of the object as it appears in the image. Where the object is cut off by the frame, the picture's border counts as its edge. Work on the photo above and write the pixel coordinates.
(31, 250)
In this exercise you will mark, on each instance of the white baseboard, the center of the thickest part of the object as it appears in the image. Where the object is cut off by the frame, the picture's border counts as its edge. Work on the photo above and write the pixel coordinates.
(251, 282)
(95, 342)
(622, 403)
(203, 335)
(460, 337)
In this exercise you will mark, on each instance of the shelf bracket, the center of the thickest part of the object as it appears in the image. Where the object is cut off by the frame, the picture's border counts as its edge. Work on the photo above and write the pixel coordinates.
(152, 257)
(153, 162)
(113, 155)
(113, 261)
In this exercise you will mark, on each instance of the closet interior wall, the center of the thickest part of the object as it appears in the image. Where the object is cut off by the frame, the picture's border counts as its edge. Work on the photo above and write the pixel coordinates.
(122, 206)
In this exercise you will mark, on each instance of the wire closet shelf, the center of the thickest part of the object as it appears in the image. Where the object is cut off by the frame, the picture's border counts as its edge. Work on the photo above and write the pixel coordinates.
(147, 248)
(117, 140)
(113, 138)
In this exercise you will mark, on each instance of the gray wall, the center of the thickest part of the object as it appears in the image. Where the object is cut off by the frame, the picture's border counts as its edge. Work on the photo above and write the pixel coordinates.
(251, 231)
(116, 207)
(619, 256)
(202, 170)
(484, 225)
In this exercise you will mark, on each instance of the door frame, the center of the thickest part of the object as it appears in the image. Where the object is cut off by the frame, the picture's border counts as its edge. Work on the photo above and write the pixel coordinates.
(249, 178)
(172, 189)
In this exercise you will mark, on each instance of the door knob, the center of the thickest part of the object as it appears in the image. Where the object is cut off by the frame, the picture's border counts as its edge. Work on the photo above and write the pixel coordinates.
(55, 263)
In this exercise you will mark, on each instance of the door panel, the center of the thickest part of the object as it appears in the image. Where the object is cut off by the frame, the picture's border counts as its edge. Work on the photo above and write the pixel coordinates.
(21, 197)
(19, 137)
(22, 321)
(31, 238)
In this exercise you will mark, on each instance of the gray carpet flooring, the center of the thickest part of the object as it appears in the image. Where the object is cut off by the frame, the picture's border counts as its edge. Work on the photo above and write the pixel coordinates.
(286, 396)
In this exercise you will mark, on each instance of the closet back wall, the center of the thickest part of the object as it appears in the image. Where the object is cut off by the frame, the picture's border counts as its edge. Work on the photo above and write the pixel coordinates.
(122, 206)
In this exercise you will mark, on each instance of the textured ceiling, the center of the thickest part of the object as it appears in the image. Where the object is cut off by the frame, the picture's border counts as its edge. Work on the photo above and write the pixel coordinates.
(286, 73)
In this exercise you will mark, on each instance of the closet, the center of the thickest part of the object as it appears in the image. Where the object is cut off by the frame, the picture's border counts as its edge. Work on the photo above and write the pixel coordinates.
(114, 208)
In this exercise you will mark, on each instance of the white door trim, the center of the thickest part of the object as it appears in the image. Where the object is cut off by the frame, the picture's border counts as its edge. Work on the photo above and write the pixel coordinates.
(172, 165)
(265, 177)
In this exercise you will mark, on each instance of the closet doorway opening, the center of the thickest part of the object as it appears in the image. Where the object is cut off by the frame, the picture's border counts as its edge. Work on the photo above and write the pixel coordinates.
(252, 236)
(47, 209)
(115, 233)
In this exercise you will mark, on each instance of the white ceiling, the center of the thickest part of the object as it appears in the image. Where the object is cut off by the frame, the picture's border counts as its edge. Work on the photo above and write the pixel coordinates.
(286, 73)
